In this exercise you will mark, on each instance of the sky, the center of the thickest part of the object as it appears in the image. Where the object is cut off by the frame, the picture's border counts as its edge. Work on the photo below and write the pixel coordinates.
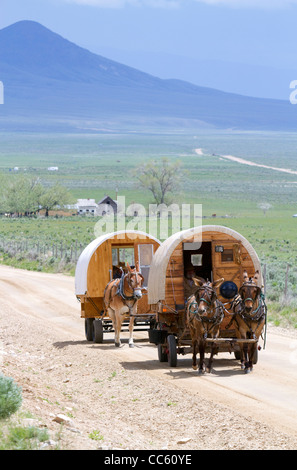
(243, 46)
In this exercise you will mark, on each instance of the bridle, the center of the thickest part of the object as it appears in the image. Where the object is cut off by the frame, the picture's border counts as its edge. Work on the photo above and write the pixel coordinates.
(250, 318)
(121, 287)
(218, 309)
(209, 290)
(243, 311)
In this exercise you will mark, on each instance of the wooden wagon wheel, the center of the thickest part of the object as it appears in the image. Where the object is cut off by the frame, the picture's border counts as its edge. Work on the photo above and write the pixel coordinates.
(98, 331)
(89, 328)
(172, 351)
(255, 357)
(162, 354)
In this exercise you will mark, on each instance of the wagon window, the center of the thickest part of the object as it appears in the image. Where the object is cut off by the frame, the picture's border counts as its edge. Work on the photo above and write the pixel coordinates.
(145, 253)
(227, 255)
(197, 260)
(123, 255)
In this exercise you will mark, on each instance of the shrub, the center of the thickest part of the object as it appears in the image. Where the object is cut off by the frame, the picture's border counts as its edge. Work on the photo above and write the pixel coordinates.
(23, 438)
(10, 397)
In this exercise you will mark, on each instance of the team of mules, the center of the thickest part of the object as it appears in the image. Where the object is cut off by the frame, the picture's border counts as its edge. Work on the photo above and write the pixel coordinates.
(204, 315)
(120, 298)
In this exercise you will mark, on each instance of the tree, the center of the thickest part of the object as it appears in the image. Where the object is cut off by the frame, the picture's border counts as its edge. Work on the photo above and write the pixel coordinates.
(160, 178)
(3, 184)
(55, 196)
(265, 206)
(21, 195)
(26, 195)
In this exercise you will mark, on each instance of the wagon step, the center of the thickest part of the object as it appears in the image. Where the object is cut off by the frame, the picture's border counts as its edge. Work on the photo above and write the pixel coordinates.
(143, 315)
(230, 340)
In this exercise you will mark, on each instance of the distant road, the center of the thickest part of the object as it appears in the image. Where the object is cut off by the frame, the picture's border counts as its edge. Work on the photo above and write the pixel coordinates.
(248, 162)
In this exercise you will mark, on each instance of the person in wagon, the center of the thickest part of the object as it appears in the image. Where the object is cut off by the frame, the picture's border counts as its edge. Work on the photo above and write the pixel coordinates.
(189, 285)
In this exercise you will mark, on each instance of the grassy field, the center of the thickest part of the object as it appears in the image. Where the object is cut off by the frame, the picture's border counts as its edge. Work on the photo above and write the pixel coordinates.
(94, 165)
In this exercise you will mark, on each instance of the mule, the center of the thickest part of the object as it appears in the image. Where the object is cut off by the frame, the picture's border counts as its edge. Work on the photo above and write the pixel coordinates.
(249, 316)
(120, 298)
(204, 315)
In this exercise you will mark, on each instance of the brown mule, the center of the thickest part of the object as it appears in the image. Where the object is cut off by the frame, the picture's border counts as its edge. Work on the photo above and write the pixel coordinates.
(120, 298)
(249, 318)
(204, 315)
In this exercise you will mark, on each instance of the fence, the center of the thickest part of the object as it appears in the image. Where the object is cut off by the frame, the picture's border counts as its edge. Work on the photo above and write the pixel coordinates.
(35, 250)
(280, 278)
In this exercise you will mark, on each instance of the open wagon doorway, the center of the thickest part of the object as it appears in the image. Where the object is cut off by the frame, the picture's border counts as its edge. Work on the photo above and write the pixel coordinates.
(197, 259)
(121, 255)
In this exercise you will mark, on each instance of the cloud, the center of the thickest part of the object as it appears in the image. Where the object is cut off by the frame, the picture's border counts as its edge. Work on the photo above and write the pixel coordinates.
(123, 3)
(250, 3)
(259, 4)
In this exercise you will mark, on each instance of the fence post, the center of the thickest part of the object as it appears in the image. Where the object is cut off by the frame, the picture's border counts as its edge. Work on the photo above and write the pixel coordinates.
(286, 282)
(264, 279)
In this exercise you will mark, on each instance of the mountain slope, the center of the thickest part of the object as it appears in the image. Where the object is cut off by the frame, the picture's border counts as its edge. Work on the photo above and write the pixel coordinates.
(51, 83)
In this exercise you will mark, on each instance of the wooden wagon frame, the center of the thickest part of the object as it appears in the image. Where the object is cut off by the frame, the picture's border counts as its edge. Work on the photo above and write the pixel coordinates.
(222, 253)
(99, 263)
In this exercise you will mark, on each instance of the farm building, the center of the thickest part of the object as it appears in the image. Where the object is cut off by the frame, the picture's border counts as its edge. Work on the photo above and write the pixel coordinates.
(86, 206)
(106, 206)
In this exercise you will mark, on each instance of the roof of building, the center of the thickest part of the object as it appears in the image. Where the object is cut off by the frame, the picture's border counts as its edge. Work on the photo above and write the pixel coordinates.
(106, 198)
(86, 203)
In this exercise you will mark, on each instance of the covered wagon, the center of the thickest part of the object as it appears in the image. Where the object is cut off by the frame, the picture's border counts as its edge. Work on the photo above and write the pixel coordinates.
(103, 260)
(209, 252)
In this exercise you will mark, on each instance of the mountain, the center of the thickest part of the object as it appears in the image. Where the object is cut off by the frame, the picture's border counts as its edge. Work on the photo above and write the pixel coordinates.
(52, 84)
(257, 80)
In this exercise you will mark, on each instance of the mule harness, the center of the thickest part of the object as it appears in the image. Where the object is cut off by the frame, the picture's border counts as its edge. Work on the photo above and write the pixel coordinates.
(120, 290)
(256, 315)
(213, 321)
(121, 293)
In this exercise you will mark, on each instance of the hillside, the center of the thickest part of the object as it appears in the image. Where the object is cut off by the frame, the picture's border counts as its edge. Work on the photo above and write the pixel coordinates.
(53, 84)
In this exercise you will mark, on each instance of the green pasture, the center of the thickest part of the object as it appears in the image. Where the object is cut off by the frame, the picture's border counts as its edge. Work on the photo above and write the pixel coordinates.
(93, 165)
(231, 194)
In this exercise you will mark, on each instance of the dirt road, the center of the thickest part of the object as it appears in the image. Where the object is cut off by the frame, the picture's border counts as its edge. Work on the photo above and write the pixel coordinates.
(124, 398)
(249, 163)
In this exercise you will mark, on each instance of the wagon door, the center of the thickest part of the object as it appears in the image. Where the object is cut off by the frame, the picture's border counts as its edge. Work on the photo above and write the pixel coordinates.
(145, 254)
(227, 261)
